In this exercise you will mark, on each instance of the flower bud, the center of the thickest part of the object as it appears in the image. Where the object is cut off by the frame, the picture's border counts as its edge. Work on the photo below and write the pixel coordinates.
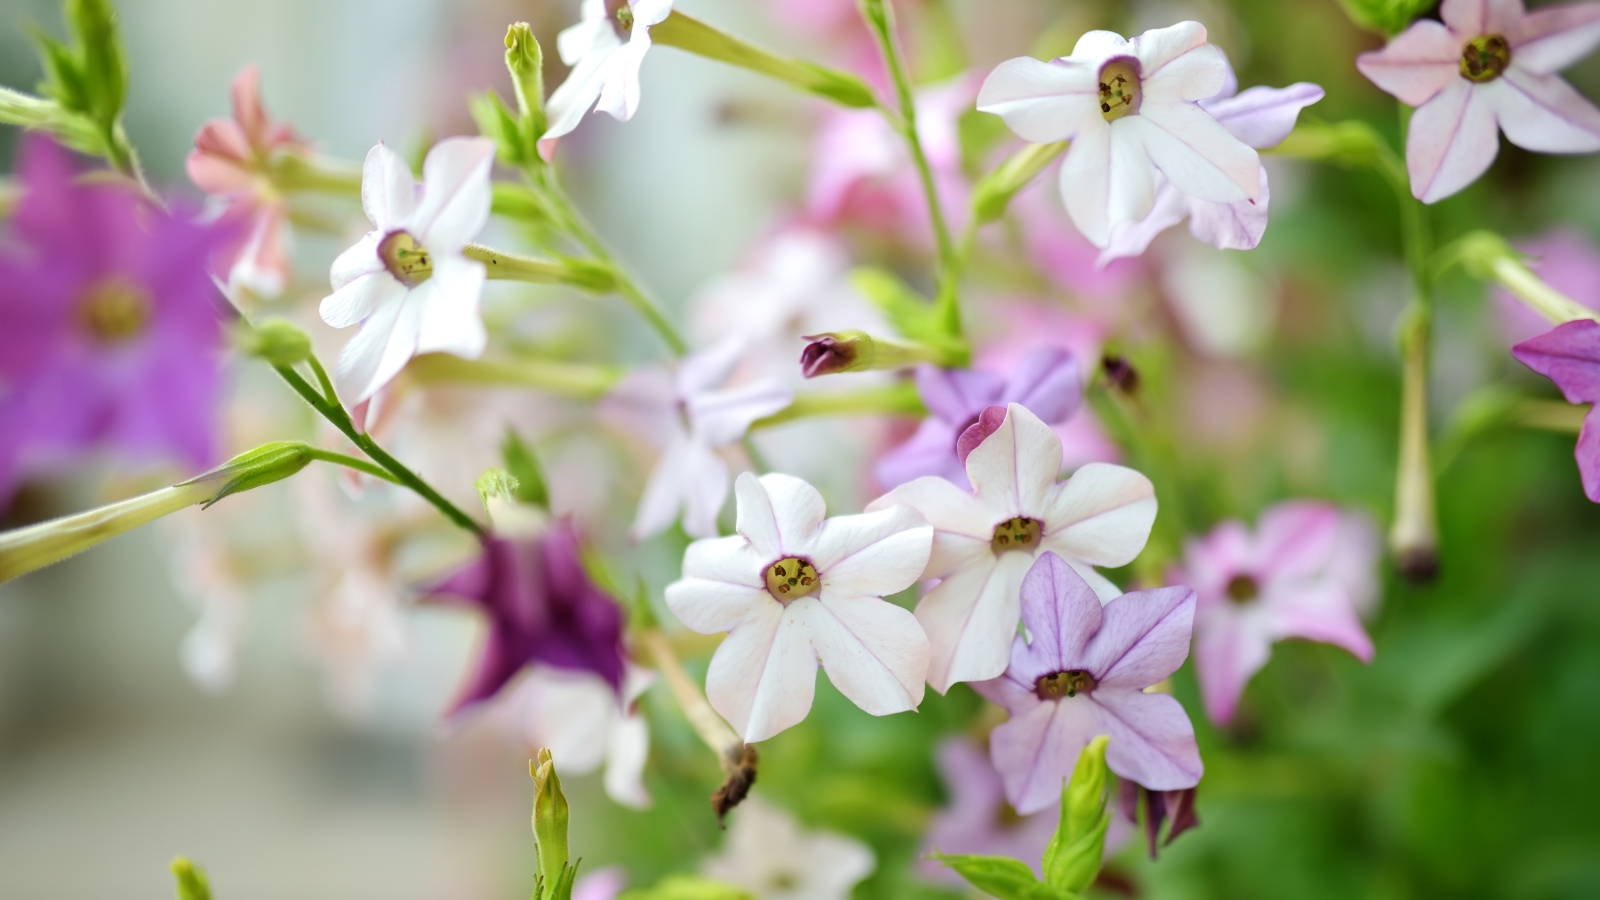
(525, 61)
(278, 342)
(549, 821)
(856, 351)
(1072, 860)
(192, 881)
(1120, 373)
(993, 192)
(1486, 256)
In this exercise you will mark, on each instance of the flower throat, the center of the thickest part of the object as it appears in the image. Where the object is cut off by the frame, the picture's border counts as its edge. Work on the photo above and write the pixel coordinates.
(1120, 93)
(1485, 58)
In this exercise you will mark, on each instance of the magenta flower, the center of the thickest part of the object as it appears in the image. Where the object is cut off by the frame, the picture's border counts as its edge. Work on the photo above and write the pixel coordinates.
(1569, 355)
(1565, 259)
(1490, 66)
(110, 325)
(541, 607)
(1083, 675)
(979, 820)
(1306, 572)
(1045, 381)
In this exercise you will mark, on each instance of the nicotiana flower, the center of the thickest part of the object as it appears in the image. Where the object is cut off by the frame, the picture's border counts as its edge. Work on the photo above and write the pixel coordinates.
(1565, 259)
(979, 820)
(1569, 355)
(1129, 109)
(1260, 117)
(407, 281)
(1490, 66)
(1046, 382)
(231, 161)
(792, 591)
(1307, 572)
(690, 415)
(1084, 674)
(769, 855)
(985, 541)
(605, 50)
(111, 328)
(585, 724)
(541, 606)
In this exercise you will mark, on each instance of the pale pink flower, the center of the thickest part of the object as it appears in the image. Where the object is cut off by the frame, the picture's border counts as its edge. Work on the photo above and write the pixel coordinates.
(578, 715)
(1565, 259)
(605, 50)
(1490, 66)
(1129, 108)
(771, 857)
(1307, 571)
(793, 591)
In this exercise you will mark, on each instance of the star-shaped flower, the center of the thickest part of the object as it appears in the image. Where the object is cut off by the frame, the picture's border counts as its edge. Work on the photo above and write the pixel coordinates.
(407, 281)
(1490, 66)
(1084, 674)
(793, 591)
(1306, 572)
(605, 50)
(1569, 355)
(769, 855)
(986, 540)
(540, 606)
(1129, 109)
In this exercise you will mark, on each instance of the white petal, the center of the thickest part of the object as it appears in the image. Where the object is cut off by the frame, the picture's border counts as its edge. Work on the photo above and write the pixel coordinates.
(970, 619)
(1014, 470)
(945, 507)
(1132, 238)
(1452, 140)
(590, 32)
(1101, 515)
(711, 607)
(663, 492)
(872, 554)
(455, 194)
(379, 350)
(627, 749)
(705, 489)
(1085, 181)
(779, 514)
(579, 92)
(1159, 47)
(708, 369)
(1133, 176)
(722, 418)
(1099, 45)
(874, 652)
(1194, 75)
(451, 321)
(359, 299)
(763, 676)
(620, 94)
(1042, 101)
(361, 258)
(388, 192)
(729, 559)
(1196, 153)
(1231, 226)
(1544, 114)
(650, 12)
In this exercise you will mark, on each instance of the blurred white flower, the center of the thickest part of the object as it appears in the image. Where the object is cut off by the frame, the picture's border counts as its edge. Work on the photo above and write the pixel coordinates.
(768, 855)
(580, 719)
(205, 573)
(605, 50)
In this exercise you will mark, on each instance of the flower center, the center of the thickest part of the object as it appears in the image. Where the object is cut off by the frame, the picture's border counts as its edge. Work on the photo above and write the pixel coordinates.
(1119, 88)
(1021, 533)
(791, 578)
(1485, 58)
(407, 260)
(621, 16)
(784, 880)
(114, 311)
(1243, 588)
(1064, 684)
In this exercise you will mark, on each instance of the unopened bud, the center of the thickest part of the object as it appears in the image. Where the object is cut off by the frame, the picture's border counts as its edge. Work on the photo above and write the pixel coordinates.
(278, 342)
(856, 351)
(549, 817)
(1073, 858)
(1486, 256)
(192, 883)
(525, 61)
(1120, 373)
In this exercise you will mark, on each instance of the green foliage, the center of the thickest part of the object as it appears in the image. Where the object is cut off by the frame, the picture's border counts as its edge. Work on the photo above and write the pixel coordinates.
(85, 86)
(1004, 878)
(1072, 860)
(191, 880)
(1387, 17)
(686, 887)
(911, 314)
(263, 465)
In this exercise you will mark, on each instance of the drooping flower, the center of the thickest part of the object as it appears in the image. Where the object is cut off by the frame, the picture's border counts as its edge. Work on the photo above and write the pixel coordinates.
(690, 415)
(1261, 117)
(793, 591)
(1569, 355)
(540, 606)
(1565, 259)
(586, 725)
(1307, 572)
(1046, 382)
(979, 820)
(769, 855)
(111, 329)
(1084, 674)
(1129, 108)
(605, 50)
(407, 281)
(985, 541)
(1490, 66)
(231, 160)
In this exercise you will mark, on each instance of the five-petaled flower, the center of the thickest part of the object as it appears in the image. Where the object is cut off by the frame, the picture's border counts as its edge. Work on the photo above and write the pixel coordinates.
(985, 541)
(768, 855)
(1306, 572)
(793, 590)
(1129, 109)
(1084, 674)
(1569, 355)
(605, 50)
(407, 281)
(1490, 66)
(690, 415)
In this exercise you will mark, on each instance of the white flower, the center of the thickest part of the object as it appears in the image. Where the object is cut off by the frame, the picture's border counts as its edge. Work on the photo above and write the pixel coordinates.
(985, 542)
(768, 855)
(578, 717)
(1129, 108)
(407, 281)
(793, 590)
(690, 415)
(605, 50)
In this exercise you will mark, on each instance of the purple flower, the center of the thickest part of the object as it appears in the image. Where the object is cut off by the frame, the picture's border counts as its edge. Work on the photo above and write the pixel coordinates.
(541, 607)
(110, 324)
(1306, 572)
(978, 819)
(1045, 381)
(1084, 675)
(1569, 355)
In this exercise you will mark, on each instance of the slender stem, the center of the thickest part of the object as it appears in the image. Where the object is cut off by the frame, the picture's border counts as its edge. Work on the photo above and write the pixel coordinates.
(1551, 415)
(712, 730)
(1536, 293)
(896, 399)
(350, 462)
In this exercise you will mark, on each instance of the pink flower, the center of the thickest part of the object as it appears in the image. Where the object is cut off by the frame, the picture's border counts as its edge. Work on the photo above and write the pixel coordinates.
(1306, 572)
(231, 160)
(1568, 261)
(1489, 66)
(1569, 355)
(1084, 674)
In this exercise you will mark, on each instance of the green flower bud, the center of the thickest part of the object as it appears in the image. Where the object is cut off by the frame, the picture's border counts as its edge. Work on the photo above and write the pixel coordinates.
(278, 342)
(191, 879)
(1072, 860)
(549, 821)
(525, 60)
(994, 191)
(856, 351)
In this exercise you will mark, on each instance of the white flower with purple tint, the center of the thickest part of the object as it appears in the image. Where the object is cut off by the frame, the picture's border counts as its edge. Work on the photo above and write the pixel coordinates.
(407, 282)
(770, 857)
(1084, 674)
(986, 540)
(1489, 67)
(605, 50)
(1307, 571)
(585, 724)
(1129, 108)
(794, 591)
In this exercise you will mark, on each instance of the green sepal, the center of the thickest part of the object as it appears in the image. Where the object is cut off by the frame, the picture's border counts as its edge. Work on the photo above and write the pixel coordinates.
(498, 123)
(1003, 877)
(525, 62)
(105, 64)
(1072, 860)
(263, 465)
(278, 342)
(192, 883)
(550, 814)
(524, 468)
(686, 887)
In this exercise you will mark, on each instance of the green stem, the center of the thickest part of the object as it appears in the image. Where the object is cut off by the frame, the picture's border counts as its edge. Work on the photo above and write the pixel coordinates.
(897, 399)
(583, 382)
(350, 462)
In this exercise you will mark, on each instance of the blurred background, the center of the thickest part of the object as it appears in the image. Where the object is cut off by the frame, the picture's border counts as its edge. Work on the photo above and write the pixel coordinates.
(1461, 763)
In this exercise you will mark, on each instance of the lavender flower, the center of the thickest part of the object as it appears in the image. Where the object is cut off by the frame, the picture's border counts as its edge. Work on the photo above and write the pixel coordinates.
(1569, 355)
(110, 324)
(979, 820)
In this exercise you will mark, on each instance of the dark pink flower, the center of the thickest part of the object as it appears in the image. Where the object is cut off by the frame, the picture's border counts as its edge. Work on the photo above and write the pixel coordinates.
(1569, 355)
(110, 325)
(1307, 571)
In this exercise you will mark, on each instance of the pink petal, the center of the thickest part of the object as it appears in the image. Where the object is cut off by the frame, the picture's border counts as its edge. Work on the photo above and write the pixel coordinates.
(1297, 539)
(1548, 40)
(218, 175)
(1230, 646)
(1588, 455)
(1475, 17)
(778, 514)
(1152, 741)
(1318, 612)
(1421, 62)
(1452, 140)
(1544, 114)
(989, 421)
(1042, 102)
(245, 93)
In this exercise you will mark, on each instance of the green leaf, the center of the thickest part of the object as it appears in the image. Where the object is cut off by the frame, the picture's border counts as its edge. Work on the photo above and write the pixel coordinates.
(1003, 877)
(686, 887)
(105, 65)
(498, 123)
(524, 467)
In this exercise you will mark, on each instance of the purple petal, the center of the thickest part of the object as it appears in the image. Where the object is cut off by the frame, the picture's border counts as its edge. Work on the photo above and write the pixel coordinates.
(1152, 740)
(1062, 614)
(1568, 355)
(1144, 637)
(958, 395)
(1035, 752)
(989, 421)
(930, 451)
(1230, 647)
(1263, 116)
(1046, 382)
(1231, 226)
(1588, 453)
